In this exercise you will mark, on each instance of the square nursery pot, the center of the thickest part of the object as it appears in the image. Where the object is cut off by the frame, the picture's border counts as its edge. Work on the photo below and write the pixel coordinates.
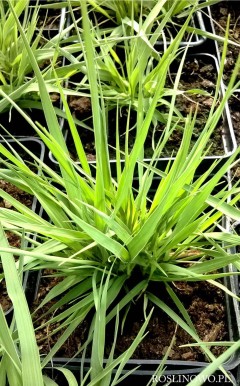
(146, 368)
(205, 65)
(223, 136)
(173, 368)
(38, 148)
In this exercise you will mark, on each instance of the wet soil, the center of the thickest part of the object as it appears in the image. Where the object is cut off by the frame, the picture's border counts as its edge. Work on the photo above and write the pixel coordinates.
(203, 301)
(220, 12)
(14, 240)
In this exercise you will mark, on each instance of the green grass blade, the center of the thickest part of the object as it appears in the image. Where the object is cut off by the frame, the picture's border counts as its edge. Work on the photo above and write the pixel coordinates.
(215, 365)
(68, 375)
(31, 369)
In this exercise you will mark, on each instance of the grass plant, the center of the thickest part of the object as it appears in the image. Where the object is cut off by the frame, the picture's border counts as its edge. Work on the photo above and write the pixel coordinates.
(14, 63)
(103, 227)
(128, 61)
(117, 11)
(16, 76)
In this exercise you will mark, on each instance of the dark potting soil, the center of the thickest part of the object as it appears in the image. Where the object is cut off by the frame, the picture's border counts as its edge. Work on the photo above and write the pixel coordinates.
(203, 301)
(198, 73)
(205, 306)
(14, 240)
(220, 12)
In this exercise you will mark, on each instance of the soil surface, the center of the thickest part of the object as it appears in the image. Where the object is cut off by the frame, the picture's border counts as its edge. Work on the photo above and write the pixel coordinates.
(220, 12)
(13, 239)
(203, 301)
(205, 306)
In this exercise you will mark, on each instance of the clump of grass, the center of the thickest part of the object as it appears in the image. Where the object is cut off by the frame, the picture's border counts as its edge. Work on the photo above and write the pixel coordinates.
(101, 227)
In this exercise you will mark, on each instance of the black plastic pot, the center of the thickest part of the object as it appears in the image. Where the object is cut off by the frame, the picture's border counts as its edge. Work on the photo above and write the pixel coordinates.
(148, 367)
(229, 144)
(176, 376)
(38, 148)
